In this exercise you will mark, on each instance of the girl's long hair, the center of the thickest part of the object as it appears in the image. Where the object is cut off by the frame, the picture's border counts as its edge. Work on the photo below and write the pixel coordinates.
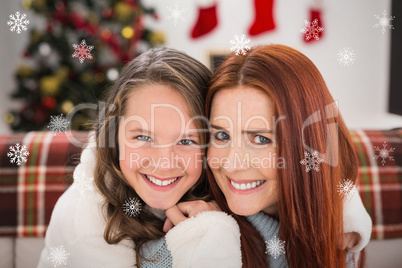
(164, 66)
(310, 210)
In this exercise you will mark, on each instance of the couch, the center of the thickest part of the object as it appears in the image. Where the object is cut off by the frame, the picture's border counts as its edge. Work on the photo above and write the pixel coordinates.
(29, 191)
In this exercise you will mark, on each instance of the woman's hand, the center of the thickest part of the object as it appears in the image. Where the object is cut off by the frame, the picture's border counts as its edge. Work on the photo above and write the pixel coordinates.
(350, 240)
(185, 210)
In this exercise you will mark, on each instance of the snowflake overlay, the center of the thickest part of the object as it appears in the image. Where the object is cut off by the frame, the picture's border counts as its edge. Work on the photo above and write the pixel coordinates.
(384, 21)
(58, 124)
(83, 182)
(383, 153)
(18, 155)
(240, 44)
(18, 22)
(58, 256)
(275, 247)
(82, 51)
(311, 29)
(346, 56)
(132, 207)
(311, 161)
(176, 14)
(346, 188)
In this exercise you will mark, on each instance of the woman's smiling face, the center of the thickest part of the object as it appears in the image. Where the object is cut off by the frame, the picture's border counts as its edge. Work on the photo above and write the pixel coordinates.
(160, 156)
(242, 153)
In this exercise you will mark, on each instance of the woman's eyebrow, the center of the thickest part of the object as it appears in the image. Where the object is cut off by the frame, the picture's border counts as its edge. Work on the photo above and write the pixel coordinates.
(257, 130)
(218, 127)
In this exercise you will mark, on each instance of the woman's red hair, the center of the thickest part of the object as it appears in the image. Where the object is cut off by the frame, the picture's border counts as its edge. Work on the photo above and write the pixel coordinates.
(310, 210)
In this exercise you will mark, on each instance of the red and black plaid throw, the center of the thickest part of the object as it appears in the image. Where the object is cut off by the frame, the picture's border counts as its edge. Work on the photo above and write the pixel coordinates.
(29, 191)
(380, 179)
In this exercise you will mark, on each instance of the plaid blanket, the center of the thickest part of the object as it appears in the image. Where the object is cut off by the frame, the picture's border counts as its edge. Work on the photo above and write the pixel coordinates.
(29, 192)
(380, 179)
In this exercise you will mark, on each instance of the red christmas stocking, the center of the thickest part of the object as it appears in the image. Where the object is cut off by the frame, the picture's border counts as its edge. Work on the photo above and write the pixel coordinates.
(313, 31)
(206, 22)
(264, 19)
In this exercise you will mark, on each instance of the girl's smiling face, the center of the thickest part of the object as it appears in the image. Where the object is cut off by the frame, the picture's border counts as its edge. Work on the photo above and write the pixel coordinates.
(242, 150)
(159, 147)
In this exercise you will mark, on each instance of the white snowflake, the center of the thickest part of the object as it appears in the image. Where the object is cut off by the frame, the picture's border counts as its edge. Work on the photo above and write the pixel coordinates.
(58, 256)
(18, 22)
(18, 155)
(132, 207)
(82, 51)
(240, 44)
(176, 14)
(275, 247)
(58, 124)
(346, 56)
(383, 153)
(311, 29)
(311, 161)
(346, 188)
(384, 21)
(83, 182)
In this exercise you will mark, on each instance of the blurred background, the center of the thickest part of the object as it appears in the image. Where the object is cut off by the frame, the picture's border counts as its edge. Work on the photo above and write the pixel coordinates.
(357, 51)
(38, 71)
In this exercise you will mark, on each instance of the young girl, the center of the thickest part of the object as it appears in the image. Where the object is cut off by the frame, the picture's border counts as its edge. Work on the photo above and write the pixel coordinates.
(273, 102)
(148, 155)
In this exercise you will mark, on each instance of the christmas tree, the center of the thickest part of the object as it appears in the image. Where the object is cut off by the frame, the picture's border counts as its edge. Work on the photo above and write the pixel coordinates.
(76, 57)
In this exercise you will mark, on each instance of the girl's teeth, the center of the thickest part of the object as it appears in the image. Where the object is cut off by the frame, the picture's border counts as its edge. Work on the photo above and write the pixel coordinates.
(246, 186)
(160, 182)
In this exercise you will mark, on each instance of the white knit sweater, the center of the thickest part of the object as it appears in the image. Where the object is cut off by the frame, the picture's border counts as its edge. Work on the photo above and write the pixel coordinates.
(78, 222)
(211, 239)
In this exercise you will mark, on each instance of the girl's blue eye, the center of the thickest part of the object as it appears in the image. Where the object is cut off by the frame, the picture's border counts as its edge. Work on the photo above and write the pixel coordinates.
(186, 142)
(261, 140)
(220, 136)
(143, 138)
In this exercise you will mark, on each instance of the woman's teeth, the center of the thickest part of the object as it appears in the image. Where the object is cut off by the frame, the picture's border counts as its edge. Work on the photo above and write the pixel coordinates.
(246, 186)
(159, 182)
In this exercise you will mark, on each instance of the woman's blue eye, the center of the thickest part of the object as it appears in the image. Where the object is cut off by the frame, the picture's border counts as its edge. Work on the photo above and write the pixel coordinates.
(143, 138)
(186, 142)
(261, 140)
(221, 136)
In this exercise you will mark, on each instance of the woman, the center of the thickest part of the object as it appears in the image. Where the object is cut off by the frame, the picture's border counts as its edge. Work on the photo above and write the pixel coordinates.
(273, 102)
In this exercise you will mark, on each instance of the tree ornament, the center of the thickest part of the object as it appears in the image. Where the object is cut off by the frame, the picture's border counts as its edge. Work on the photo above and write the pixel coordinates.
(49, 85)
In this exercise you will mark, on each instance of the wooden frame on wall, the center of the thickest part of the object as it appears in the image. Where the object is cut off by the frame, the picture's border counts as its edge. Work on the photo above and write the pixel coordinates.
(214, 58)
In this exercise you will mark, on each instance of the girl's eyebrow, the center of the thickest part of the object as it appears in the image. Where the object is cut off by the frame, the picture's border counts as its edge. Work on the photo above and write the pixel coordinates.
(140, 130)
(190, 135)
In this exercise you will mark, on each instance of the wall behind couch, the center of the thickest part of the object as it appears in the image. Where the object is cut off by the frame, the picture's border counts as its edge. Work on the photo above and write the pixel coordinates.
(361, 89)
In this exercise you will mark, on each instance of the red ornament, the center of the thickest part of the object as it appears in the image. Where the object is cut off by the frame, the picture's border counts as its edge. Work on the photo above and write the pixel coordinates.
(107, 13)
(49, 27)
(206, 22)
(60, 6)
(49, 102)
(27, 54)
(264, 19)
